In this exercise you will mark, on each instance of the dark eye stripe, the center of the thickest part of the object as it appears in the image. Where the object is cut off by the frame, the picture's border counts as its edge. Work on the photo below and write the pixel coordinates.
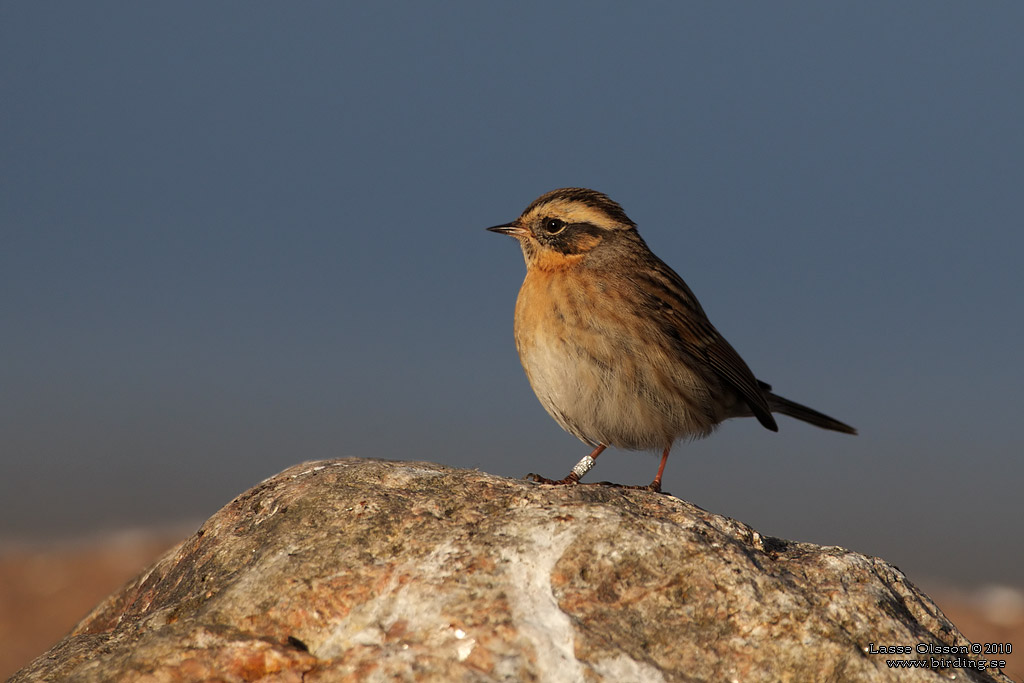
(586, 229)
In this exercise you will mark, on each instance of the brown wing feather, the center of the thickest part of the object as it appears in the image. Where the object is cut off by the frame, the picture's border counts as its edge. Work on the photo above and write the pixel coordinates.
(686, 321)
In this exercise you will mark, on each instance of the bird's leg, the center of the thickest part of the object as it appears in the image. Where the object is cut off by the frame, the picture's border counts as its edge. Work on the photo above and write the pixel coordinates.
(581, 468)
(656, 484)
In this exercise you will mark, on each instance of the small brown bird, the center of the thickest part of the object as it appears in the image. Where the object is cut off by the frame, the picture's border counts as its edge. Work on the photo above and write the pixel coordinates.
(615, 345)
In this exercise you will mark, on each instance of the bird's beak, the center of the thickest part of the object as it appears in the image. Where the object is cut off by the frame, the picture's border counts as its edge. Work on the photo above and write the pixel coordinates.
(513, 229)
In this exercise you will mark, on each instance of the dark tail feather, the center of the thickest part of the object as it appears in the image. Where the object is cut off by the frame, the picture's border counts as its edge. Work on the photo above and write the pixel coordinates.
(787, 407)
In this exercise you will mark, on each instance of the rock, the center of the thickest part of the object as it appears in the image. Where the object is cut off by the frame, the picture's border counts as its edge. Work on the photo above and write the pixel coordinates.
(364, 570)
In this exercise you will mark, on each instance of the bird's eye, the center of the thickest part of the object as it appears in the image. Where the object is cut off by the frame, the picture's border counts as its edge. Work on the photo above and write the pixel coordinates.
(553, 226)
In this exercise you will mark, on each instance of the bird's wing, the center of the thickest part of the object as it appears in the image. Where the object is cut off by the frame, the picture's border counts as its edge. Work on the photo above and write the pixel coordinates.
(682, 318)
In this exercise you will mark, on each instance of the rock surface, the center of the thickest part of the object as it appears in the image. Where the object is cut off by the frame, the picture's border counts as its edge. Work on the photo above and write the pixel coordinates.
(362, 570)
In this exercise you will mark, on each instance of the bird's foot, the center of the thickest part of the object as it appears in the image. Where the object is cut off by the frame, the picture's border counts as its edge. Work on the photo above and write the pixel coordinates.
(585, 464)
(568, 481)
(653, 487)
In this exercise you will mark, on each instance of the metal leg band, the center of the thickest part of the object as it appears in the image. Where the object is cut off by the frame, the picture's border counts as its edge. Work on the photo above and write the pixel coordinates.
(583, 466)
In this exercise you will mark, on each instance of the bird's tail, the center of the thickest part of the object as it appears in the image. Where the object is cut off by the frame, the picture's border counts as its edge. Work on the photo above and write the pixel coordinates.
(787, 407)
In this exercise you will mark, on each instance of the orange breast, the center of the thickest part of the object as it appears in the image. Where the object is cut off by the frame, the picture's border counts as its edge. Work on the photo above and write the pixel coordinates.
(597, 364)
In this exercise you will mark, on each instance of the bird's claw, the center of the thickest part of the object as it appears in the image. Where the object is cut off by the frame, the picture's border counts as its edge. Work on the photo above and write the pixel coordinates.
(568, 481)
(653, 487)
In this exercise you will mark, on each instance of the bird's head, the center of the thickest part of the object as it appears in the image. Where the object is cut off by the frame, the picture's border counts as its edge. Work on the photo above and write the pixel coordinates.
(563, 226)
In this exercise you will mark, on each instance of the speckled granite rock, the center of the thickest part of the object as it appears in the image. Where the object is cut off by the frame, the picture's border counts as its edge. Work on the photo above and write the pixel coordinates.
(363, 570)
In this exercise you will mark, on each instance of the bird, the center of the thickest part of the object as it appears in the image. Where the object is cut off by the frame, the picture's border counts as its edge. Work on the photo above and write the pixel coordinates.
(614, 343)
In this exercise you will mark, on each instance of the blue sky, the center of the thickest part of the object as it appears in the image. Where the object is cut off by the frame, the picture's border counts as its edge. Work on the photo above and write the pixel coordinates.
(240, 235)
